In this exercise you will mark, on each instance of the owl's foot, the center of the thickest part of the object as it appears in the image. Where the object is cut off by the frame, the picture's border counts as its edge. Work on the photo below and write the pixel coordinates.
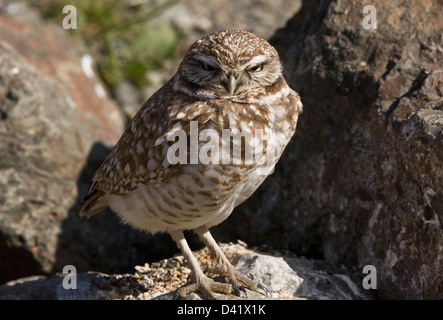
(239, 281)
(198, 281)
(206, 286)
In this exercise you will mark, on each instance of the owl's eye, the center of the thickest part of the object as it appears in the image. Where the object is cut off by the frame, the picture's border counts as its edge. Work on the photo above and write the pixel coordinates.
(257, 68)
(208, 67)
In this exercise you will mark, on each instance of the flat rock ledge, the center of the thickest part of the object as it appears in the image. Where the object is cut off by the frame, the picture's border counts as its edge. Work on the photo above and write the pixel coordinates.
(285, 275)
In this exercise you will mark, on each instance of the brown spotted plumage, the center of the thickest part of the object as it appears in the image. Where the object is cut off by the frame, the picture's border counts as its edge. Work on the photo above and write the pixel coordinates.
(175, 167)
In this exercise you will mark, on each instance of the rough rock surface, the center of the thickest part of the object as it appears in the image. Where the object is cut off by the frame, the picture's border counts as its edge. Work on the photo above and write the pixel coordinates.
(285, 276)
(52, 123)
(48, 48)
(361, 182)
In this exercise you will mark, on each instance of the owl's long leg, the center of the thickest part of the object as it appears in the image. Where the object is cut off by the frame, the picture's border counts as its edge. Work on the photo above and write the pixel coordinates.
(199, 282)
(224, 267)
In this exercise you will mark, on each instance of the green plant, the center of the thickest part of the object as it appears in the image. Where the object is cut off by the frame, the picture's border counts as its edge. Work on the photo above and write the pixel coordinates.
(120, 35)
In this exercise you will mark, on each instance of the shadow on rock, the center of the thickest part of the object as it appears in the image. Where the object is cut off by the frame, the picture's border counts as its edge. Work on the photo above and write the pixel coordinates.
(103, 243)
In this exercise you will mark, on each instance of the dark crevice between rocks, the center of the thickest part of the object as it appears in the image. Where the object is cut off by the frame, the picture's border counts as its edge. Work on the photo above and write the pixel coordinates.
(3, 115)
(16, 261)
(416, 84)
(102, 243)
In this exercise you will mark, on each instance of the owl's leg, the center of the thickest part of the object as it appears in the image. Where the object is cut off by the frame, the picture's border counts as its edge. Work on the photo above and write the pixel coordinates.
(224, 267)
(199, 282)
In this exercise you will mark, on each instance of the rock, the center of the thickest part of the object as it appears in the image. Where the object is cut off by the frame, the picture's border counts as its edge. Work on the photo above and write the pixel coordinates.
(49, 49)
(260, 17)
(285, 276)
(55, 130)
(128, 98)
(361, 182)
(41, 154)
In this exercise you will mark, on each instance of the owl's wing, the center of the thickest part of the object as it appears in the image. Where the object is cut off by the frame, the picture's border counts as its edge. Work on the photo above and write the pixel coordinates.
(140, 157)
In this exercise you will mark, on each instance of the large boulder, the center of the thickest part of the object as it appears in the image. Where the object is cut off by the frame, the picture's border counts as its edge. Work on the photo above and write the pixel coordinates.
(361, 182)
(284, 275)
(56, 126)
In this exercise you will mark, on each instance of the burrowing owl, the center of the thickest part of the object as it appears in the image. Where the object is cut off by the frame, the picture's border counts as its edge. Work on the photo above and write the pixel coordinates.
(185, 160)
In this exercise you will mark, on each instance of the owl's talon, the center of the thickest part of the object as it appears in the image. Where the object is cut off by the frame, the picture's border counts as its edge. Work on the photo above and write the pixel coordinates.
(237, 291)
(240, 291)
(243, 289)
(265, 290)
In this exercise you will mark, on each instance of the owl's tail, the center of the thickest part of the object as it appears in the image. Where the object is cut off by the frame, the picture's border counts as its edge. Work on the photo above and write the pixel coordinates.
(94, 202)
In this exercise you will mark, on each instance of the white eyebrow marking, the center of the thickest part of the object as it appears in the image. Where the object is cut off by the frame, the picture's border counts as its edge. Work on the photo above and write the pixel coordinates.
(255, 61)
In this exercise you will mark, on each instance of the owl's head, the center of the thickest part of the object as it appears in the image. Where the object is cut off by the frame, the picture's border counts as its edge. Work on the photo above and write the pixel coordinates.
(235, 65)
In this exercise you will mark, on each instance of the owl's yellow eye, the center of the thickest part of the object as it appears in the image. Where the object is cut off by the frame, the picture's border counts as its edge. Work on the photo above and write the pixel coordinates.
(207, 67)
(257, 68)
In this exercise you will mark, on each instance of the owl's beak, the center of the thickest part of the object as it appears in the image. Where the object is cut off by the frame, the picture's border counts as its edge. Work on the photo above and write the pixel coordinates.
(232, 84)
